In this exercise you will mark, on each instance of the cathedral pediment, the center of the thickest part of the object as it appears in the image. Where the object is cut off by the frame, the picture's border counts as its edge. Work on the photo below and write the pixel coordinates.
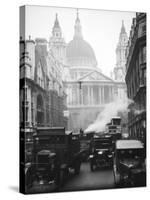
(95, 76)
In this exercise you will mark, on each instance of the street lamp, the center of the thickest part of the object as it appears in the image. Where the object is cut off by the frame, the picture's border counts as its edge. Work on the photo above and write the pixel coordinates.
(80, 89)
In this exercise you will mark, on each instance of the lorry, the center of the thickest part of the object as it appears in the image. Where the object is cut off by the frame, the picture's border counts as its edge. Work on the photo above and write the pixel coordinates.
(56, 152)
(101, 152)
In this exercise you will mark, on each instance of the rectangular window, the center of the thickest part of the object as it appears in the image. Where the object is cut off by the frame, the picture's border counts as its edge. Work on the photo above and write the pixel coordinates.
(26, 114)
(25, 94)
(143, 55)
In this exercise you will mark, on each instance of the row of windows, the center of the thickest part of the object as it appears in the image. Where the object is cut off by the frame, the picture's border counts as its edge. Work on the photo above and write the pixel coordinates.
(138, 74)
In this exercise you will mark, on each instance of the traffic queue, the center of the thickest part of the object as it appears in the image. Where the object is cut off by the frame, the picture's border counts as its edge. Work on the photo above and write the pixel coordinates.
(57, 153)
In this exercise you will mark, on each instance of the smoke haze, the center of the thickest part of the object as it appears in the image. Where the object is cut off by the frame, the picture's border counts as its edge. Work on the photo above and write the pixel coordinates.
(110, 110)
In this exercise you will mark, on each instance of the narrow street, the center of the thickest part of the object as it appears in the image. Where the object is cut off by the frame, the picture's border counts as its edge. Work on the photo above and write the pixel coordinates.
(86, 180)
(99, 179)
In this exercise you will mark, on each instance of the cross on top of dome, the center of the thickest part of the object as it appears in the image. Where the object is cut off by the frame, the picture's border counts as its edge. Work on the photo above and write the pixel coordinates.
(77, 27)
(77, 19)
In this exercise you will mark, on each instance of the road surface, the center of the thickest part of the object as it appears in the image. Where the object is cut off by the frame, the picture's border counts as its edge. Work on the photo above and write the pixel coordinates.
(86, 180)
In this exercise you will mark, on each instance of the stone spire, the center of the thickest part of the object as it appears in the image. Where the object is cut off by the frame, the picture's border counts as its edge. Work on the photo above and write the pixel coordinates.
(56, 31)
(57, 43)
(119, 70)
(77, 27)
(123, 28)
(56, 24)
(123, 38)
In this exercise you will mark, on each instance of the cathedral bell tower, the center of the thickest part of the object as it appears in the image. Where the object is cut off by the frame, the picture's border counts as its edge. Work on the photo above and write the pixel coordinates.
(119, 70)
(57, 43)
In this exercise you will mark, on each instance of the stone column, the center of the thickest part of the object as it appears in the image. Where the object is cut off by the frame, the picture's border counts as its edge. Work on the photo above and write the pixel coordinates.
(103, 95)
(92, 96)
(78, 95)
(82, 96)
(102, 98)
(83, 91)
(70, 95)
(97, 88)
(99, 95)
(109, 94)
(88, 89)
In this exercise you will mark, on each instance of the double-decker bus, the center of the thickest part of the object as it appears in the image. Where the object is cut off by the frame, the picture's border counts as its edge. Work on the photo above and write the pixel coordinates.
(114, 127)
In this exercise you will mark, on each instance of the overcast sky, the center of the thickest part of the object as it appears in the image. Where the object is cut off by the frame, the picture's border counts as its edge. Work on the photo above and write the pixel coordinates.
(100, 29)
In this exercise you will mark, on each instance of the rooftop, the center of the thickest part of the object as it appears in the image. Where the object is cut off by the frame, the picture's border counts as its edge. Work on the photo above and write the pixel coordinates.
(129, 144)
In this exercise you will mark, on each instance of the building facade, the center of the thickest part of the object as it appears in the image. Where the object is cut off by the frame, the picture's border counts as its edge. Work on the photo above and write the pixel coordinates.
(136, 77)
(88, 89)
(42, 94)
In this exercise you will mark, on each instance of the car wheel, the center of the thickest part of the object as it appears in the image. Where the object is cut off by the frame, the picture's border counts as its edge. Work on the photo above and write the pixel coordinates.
(77, 168)
(92, 167)
(62, 177)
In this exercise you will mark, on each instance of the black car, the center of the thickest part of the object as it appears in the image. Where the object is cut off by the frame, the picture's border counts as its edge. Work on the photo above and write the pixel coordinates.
(44, 170)
(101, 152)
(129, 163)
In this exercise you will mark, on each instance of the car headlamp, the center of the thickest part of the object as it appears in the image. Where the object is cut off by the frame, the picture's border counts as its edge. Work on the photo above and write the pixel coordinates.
(41, 182)
(91, 156)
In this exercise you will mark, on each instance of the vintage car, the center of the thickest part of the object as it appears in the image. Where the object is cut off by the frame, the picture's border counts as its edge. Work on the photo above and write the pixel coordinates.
(46, 166)
(44, 170)
(101, 152)
(56, 153)
(129, 163)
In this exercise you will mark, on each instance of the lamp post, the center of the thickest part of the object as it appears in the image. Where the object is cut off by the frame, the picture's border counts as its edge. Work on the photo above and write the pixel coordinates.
(80, 97)
(80, 92)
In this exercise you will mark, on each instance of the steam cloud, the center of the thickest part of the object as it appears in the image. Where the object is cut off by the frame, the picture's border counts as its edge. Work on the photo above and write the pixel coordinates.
(110, 110)
(137, 112)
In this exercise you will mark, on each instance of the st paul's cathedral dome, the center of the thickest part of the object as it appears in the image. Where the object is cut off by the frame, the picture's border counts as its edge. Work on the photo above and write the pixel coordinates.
(79, 53)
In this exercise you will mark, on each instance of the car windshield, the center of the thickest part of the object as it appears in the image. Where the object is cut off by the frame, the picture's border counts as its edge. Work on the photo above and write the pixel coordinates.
(102, 144)
(43, 159)
(116, 121)
(131, 153)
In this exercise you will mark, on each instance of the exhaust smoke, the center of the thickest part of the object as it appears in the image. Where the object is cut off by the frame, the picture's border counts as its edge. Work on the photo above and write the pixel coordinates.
(110, 110)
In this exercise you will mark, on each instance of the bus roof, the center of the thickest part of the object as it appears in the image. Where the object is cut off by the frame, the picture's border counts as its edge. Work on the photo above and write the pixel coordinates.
(129, 144)
(117, 117)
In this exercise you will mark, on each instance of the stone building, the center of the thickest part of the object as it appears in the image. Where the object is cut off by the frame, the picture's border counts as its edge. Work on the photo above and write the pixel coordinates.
(42, 94)
(136, 77)
(54, 72)
(87, 88)
(120, 72)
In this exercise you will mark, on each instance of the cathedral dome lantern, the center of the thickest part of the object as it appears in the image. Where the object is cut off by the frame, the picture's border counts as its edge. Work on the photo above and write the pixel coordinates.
(79, 52)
